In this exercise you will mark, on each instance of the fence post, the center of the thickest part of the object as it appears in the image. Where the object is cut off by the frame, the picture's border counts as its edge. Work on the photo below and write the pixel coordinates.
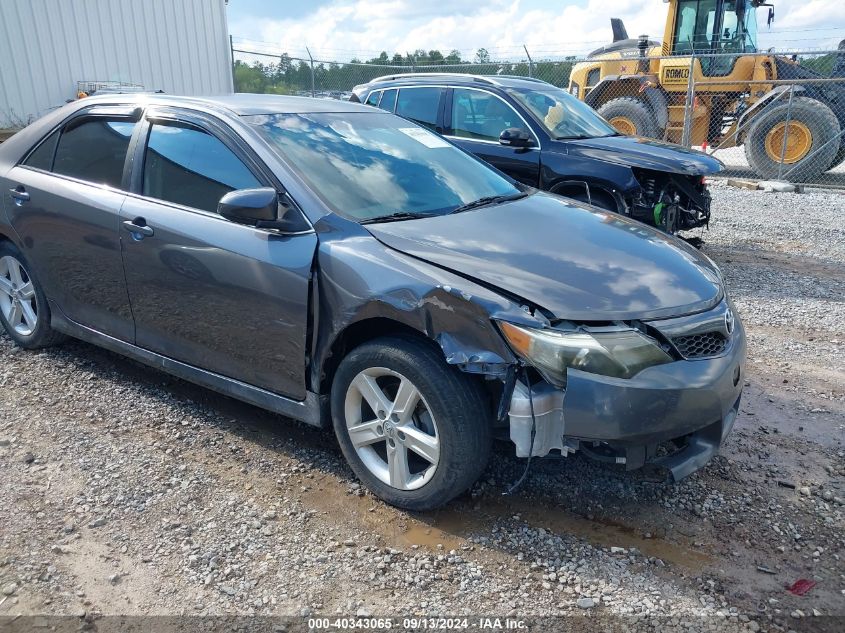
(530, 61)
(685, 137)
(232, 57)
(785, 131)
(313, 91)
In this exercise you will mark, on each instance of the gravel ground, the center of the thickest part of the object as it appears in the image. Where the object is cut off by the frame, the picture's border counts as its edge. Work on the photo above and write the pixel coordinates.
(126, 491)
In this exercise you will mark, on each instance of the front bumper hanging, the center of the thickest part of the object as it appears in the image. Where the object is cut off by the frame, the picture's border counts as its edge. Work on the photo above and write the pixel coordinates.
(691, 402)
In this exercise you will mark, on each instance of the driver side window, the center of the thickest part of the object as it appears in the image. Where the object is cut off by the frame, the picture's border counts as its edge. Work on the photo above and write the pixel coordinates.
(188, 166)
(480, 115)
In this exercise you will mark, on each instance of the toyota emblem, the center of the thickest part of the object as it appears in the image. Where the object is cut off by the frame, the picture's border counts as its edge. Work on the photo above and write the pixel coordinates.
(729, 321)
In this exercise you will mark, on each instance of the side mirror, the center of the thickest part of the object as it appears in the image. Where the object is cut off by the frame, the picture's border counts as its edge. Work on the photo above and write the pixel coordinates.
(516, 137)
(250, 206)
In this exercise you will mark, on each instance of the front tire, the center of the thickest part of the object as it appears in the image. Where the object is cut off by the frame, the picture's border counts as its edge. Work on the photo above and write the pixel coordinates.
(24, 311)
(416, 431)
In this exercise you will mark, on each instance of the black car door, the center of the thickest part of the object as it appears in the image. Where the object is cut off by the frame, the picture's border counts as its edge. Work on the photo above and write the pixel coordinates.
(474, 119)
(228, 298)
(65, 200)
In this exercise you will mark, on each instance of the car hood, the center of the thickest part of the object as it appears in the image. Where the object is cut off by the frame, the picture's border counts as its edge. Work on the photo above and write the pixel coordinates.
(645, 153)
(576, 261)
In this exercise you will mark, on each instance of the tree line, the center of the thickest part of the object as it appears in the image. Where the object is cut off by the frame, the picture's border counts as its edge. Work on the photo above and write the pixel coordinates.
(289, 75)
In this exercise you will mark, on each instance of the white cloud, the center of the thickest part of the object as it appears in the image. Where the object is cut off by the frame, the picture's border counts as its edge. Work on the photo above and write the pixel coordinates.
(343, 28)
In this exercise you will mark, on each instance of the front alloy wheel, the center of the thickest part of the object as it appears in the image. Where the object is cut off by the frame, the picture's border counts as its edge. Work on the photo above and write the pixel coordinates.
(415, 430)
(392, 429)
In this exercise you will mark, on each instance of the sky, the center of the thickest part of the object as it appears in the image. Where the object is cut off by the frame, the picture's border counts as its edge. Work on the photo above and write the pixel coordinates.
(342, 29)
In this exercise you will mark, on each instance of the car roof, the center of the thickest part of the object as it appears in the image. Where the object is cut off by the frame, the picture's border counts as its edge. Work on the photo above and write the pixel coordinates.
(240, 104)
(492, 81)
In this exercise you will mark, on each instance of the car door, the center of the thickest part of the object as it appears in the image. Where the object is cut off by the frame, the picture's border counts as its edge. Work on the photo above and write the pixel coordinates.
(228, 298)
(65, 200)
(474, 120)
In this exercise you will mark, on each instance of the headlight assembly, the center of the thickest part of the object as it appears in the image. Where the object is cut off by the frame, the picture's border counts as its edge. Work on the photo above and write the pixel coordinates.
(617, 353)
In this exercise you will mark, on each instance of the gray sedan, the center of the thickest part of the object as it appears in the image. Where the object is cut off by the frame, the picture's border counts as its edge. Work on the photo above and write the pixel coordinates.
(343, 266)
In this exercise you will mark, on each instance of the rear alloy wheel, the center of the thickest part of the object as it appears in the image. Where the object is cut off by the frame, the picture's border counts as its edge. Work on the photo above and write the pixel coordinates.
(413, 429)
(630, 116)
(793, 141)
(23, 307)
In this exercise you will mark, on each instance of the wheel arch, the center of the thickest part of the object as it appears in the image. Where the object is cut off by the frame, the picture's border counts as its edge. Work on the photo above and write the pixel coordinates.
(358, 333)
(573, 185)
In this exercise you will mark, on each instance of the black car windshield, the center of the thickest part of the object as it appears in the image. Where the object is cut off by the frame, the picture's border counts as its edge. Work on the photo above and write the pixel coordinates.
(369, 165)
(561, 114)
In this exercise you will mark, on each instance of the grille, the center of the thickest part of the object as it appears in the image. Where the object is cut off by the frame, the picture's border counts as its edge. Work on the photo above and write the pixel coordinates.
(701, 345)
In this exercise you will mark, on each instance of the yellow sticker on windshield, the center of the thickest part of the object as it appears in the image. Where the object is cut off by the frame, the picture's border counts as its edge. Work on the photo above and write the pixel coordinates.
(424, 136)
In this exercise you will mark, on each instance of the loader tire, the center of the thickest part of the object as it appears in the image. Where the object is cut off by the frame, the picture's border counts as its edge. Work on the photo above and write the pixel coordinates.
(811, 125)
(630, 116)
(840, 156)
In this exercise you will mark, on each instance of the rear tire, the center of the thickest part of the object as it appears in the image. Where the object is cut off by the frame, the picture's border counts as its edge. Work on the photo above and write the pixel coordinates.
(24, 311)
(811, 125)
(630, 116)
(449, 418)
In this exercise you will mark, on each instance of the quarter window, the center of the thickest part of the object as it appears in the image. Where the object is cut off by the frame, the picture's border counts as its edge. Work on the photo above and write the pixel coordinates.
(481, 115)
(94, 150)
(420, 105)
(373, 98)
(187, 166)
(42, 156)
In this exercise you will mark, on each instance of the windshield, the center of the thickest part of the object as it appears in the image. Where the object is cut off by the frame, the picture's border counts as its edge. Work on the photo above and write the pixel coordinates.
(367, 165)
(561, 114)
(700, 28)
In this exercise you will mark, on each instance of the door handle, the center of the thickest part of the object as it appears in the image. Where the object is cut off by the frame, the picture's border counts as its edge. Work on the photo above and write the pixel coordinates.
(139, 231)
(19, 195)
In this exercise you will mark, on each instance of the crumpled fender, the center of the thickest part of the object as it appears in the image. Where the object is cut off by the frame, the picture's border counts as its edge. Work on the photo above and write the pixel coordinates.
(359, 278)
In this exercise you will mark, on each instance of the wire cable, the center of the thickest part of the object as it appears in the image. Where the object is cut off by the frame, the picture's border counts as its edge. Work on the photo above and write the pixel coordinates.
(518, 483)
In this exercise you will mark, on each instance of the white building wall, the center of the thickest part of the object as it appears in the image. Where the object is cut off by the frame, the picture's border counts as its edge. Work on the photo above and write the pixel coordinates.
(46, 46)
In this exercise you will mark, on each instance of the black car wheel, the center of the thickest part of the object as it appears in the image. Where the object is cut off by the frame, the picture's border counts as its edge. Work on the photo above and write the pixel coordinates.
(416, 431)
(24, 312)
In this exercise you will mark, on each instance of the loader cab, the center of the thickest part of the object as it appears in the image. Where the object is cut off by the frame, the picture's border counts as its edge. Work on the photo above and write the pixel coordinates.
(713, 27)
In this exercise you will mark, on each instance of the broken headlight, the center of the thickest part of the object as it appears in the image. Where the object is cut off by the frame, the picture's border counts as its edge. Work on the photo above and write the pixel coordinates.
(618, 353)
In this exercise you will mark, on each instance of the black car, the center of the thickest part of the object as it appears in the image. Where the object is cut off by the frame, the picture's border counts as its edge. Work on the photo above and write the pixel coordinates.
(544, 137)
(343, 266)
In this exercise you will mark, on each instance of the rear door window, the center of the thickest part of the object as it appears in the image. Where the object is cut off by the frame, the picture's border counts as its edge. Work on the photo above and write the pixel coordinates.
(94, 150)
(189, 166)
(388, 100)
(420, 105)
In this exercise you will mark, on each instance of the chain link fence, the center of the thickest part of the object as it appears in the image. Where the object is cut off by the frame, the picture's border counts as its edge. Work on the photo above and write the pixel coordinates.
(764, 115)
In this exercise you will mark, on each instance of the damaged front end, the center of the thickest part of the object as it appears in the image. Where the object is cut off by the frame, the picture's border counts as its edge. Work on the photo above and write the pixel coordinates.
(674, 410)
(671, 202)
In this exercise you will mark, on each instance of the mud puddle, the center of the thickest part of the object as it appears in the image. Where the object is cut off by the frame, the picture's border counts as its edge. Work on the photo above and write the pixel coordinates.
(451, 527)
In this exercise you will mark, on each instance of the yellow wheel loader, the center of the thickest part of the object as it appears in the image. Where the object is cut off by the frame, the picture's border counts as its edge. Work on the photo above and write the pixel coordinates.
(789, 118)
